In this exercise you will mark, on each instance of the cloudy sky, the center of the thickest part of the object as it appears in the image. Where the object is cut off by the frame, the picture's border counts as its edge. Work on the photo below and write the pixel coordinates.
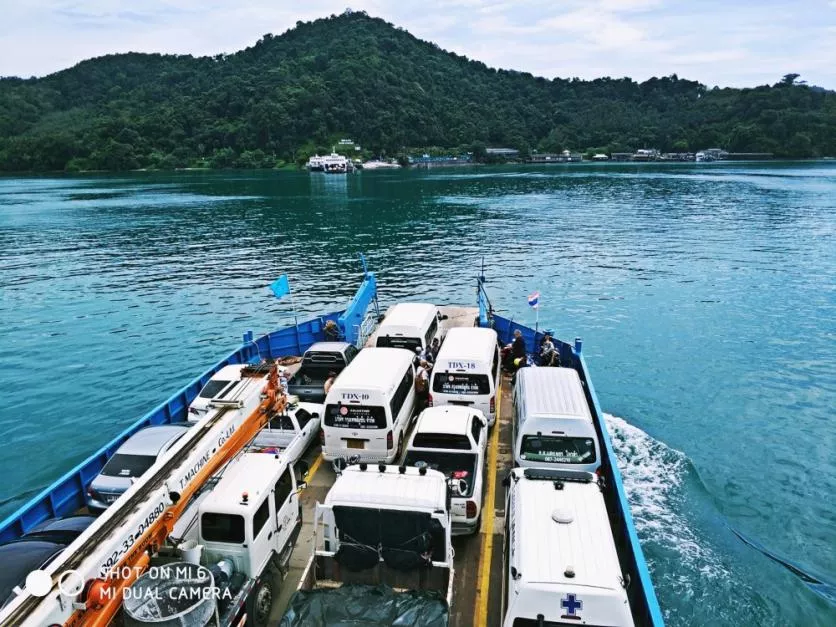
(718, 42)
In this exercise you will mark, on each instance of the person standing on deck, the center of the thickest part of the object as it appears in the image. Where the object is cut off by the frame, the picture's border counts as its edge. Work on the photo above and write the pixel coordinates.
(329, 382)
(518, 353)
(434, 348)
(332, 331)
(518, 347)
(427, 355)
(422, 385)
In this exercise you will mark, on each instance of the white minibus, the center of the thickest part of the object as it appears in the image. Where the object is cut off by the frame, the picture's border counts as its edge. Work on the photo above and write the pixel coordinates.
(466, 370)
(552, 423)
(409, 326)
(560, 561)
(370, 406)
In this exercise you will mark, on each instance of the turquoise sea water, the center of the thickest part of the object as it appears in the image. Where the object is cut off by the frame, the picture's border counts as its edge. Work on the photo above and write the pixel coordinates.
(705, 294)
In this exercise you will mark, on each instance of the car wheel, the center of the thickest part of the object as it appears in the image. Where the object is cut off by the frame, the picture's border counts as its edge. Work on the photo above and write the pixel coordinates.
(261, 601)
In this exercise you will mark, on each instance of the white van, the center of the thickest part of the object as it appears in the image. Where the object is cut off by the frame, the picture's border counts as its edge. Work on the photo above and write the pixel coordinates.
(409, 326)
(552, 424)
(369, 407)
(560, 562)
(466, 371)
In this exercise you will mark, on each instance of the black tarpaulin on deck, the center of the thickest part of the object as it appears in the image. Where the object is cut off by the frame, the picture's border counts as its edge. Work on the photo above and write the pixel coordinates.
(405, 540)
(366, 606)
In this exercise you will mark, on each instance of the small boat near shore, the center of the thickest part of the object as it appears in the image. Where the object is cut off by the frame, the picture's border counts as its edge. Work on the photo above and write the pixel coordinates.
(375, 164)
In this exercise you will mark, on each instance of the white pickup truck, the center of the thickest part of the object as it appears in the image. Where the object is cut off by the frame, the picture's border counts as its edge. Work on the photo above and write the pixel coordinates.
(378, 525)
(290, 434)
(452, 440)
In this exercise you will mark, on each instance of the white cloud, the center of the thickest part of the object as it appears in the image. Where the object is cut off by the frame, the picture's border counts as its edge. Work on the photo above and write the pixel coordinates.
(711, 41)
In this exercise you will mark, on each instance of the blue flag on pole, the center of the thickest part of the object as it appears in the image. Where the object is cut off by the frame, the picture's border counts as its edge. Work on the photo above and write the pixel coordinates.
(280, 286)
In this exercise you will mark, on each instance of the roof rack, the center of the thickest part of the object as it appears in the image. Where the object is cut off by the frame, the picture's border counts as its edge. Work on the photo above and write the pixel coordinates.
(549, 474)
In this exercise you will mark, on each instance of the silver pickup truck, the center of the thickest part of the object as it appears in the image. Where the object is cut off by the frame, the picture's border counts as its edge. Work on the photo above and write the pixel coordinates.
(318, 361)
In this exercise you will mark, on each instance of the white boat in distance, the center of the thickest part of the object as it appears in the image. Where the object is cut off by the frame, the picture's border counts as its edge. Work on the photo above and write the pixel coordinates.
(380, 165)
(315, 164)
(337, 164)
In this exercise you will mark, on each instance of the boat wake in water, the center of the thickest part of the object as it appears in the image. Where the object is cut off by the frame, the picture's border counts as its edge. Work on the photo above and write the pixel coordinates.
(689, 571)
(695, 556)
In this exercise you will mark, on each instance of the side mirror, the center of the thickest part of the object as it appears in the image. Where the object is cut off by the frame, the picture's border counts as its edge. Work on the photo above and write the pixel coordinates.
(301, 486)
(443, 317)
(506, 481)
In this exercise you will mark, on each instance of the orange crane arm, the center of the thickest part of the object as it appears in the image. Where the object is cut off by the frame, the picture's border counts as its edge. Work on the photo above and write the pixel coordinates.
(104, 596)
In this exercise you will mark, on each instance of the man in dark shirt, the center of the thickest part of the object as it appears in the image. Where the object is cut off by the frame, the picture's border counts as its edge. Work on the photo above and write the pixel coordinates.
(518, 347)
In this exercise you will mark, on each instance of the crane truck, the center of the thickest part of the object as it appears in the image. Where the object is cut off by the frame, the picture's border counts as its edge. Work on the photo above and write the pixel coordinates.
(86, 585)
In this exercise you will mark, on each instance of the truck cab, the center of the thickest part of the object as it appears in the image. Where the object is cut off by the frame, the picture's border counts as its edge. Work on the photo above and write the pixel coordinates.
(251, 519)
(237, 386)
(318, 361)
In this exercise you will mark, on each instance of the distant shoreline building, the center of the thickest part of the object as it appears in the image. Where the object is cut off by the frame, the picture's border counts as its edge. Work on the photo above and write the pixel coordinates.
(564, 157)
(507, 153)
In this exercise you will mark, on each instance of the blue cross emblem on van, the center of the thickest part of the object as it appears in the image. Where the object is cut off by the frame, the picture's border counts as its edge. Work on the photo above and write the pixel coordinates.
(571, 604)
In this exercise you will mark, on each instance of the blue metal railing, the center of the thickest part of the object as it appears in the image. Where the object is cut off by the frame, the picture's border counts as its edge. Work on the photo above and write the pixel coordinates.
(485, 307)
(351, 321)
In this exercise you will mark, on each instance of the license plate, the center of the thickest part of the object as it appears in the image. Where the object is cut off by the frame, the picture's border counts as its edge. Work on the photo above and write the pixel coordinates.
(356, 443)
(110, 498)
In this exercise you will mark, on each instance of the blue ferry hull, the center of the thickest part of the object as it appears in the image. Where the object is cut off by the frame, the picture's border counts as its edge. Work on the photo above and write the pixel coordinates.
(67, 494)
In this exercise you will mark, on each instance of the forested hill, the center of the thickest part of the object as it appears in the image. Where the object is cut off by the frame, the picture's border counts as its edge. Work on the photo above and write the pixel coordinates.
(360, 77)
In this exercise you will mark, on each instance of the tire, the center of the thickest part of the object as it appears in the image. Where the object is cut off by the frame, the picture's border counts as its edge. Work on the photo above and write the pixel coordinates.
(261, 600)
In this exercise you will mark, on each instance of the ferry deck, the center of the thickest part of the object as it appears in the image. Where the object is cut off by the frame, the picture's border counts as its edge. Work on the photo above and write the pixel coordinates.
(478, 557)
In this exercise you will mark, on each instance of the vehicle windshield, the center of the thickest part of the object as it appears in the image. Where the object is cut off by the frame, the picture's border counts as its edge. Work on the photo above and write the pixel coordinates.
(395, 341)
(282, 423)
(441, 440)
(458, 383)
(222, 528)
(355, 416)
(452, 465)
(212, 389)
(122, 465)
(557, 449)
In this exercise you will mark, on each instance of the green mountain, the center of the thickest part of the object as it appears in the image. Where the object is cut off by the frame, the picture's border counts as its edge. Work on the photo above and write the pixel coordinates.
(360, 77)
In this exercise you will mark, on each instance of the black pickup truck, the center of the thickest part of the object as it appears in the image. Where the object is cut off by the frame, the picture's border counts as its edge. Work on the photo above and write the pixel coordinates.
(318, 361)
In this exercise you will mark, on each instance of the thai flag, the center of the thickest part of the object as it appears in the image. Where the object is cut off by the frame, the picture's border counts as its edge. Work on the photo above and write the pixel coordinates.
(534, 300)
